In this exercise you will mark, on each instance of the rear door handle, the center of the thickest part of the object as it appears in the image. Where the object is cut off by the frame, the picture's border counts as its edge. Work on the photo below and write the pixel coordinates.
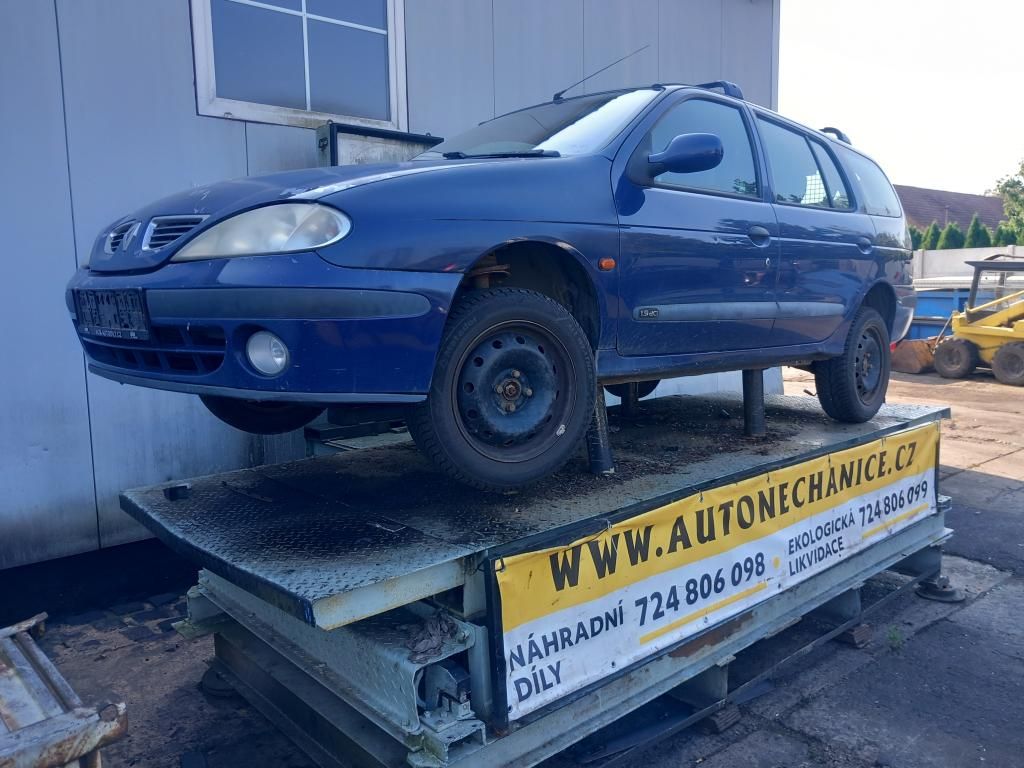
(865, 245)
(759, 236)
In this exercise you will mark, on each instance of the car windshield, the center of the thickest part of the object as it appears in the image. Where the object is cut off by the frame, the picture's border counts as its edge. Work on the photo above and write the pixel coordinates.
(571, 127)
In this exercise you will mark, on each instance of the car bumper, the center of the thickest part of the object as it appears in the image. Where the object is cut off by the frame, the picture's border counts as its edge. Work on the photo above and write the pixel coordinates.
(353, 335)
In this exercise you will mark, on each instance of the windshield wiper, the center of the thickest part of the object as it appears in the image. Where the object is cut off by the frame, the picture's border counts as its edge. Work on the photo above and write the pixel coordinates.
(527, 153)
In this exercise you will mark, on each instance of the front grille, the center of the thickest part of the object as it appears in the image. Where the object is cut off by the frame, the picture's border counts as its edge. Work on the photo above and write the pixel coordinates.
(179, 349)
(116, 236)
(164, 230)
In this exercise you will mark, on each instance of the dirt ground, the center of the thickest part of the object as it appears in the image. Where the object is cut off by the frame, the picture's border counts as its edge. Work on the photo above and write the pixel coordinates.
(939, 685)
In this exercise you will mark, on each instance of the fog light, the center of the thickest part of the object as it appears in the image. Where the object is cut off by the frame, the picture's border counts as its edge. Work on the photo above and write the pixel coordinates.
(266, 353)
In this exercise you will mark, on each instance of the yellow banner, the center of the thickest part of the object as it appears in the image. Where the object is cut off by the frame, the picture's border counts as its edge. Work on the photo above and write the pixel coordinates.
(535, 584)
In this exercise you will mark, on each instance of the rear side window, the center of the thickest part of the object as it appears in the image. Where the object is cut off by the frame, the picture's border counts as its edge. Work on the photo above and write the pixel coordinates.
(735, 175)
(796, 178)
(879, 196)
(837, 193)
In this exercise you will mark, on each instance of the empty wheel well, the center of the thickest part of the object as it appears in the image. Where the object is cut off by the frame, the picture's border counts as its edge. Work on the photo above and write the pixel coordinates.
(882, 299)
(544, 268)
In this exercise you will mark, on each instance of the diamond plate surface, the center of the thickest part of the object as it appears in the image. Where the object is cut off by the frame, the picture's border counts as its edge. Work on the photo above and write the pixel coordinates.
(301, 534)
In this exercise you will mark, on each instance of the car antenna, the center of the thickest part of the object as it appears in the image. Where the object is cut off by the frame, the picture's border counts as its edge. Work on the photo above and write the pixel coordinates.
(558, 96)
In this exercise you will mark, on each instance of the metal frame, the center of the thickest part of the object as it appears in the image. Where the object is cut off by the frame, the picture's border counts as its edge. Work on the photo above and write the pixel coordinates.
(362, 690)
(208, 103)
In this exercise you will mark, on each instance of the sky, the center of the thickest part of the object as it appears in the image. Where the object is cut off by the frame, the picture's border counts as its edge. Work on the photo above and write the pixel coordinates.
(931, 89)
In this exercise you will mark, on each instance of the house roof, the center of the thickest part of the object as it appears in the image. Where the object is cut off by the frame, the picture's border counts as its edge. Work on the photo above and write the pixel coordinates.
(923, 206)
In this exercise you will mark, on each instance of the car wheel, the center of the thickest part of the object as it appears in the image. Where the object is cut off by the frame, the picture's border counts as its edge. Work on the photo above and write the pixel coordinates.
(261, 417)
(956, 358)
(852, 386)
(1008, 364)
(512, 393)
(643, 389)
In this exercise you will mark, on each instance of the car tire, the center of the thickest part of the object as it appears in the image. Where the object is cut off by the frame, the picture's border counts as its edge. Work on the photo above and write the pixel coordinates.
(852, 386)
(261, 417)
(956, 358)
(513, 390)
(643, 389)
(1008, 364)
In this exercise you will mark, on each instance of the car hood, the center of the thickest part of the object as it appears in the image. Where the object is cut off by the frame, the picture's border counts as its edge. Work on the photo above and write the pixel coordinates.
(215, 202)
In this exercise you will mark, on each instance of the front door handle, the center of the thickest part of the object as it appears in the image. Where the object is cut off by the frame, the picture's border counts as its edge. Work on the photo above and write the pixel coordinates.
(865, 245)
(759, 236)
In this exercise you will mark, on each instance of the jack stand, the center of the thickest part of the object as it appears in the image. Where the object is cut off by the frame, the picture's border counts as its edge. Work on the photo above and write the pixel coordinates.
(599, 448)
(940, 590)
(630, 400)
(753, 403)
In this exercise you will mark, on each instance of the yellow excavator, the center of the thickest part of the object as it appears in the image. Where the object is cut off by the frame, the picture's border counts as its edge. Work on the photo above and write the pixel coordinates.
(990, 329)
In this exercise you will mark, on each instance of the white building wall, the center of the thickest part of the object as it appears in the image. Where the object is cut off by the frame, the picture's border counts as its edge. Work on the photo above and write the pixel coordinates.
(98, 116)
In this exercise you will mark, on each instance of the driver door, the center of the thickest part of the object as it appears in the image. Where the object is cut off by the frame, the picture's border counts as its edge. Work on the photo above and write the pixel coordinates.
(698, 251)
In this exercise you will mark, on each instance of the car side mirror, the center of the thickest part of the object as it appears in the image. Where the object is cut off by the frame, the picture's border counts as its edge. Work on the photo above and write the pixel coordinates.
(687, 153)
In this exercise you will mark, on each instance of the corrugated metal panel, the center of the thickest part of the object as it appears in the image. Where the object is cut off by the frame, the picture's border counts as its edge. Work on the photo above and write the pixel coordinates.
(134, 136)
(47, 506)
(450, 64)
(690, 41)
(748, 47)
(273, 148)
(612, 29)
(534, 60)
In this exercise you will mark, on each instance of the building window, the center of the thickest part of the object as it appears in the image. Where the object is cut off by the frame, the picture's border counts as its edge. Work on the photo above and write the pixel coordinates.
(301, 62)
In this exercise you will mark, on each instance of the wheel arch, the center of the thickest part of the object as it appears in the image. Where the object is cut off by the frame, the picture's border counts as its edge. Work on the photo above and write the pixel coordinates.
(553, 268)
(881, 297)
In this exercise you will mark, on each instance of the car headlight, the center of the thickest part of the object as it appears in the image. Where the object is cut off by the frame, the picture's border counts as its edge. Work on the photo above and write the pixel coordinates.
(280, 228)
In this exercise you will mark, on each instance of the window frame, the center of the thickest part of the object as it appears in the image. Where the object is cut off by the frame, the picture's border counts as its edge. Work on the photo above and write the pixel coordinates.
(808, 139)
(752, 140)
(211, 105)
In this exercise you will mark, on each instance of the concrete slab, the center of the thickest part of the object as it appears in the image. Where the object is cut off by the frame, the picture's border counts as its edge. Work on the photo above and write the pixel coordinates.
(763, 749)
(948, 699)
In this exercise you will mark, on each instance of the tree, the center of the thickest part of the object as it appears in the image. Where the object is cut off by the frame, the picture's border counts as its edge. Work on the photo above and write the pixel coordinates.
(952, 237)
(930, 238)
(978, 235)
(1011, 189)
(1004, 235)
(916, 235)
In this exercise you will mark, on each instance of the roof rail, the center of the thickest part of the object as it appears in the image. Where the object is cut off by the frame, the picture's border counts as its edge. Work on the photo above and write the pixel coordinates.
(838, 134)
(728, 88)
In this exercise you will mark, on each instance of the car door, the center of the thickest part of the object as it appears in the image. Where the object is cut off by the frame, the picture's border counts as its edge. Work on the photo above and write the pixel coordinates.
(697, 250)
(826, 242)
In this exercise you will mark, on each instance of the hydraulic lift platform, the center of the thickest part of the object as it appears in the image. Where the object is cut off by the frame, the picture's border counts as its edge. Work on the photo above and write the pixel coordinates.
(382, 615)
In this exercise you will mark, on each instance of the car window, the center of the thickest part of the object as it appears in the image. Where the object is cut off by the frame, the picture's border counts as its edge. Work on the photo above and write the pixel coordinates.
(735, 174)
(796, 177)
(879, 196)
(834, 184)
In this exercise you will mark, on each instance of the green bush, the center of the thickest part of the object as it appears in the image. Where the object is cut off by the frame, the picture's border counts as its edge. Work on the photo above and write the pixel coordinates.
(916, 236)
(952, 237)
(1004, 235)
(930, 239)
(978, 235)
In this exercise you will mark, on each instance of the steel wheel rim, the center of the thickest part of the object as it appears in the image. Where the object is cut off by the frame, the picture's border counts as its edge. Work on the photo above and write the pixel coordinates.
(867, 364)
(507, 417)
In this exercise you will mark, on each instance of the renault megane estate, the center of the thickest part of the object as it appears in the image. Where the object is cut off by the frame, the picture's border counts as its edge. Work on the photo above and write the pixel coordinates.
(489, 285)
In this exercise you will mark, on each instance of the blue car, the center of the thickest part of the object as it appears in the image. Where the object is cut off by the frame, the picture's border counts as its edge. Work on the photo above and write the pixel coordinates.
(490, 285)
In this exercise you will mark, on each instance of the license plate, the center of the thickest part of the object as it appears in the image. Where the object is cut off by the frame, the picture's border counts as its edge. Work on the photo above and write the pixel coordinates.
(113, 314)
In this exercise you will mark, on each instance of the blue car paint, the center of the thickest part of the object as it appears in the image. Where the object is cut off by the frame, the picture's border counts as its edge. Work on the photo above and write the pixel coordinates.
(417, 227)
